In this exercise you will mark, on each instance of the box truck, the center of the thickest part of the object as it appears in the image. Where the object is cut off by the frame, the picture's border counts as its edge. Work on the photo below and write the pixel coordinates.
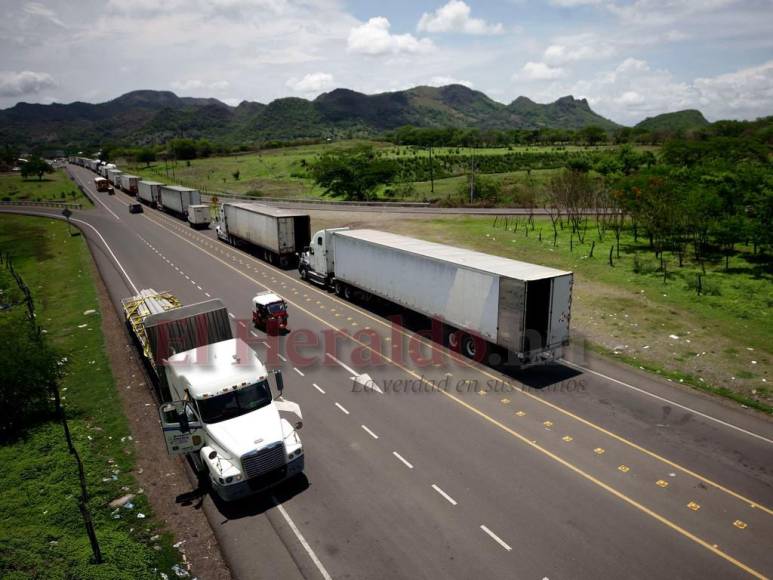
(175, 199)
(218, 408)
(148, 192)
(198, 216)
(114, 177)
(129, 183)
(484, 303)
(278, 235)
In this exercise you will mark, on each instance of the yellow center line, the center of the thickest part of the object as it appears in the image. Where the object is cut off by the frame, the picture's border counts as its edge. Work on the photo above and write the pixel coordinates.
(456, 358)
(519, 436)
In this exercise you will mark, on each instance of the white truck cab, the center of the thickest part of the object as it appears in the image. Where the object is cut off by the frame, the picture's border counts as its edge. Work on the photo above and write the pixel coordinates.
(317, 262)
(223, 414)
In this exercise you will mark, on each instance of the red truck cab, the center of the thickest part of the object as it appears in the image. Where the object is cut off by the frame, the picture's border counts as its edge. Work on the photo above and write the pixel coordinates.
(269, 312)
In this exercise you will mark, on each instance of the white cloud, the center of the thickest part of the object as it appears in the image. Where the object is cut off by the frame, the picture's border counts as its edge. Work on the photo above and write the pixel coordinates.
(196, 84)
(373, 38)
(573, 3)
(745, 93)
(37, 9)
(455, 16)
(441, 81)
(312, 83)
(585, 46)
(665, 12)
(539, 71)
(19, 84)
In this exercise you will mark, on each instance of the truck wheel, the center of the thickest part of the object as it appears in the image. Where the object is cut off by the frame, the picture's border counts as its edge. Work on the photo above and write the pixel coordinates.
(348, 292)
(469, 346)
(304, 275)
(453, 340)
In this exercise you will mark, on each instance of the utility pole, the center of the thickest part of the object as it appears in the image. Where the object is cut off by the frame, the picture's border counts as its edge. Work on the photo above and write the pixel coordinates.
(431, 172)
(472, 177)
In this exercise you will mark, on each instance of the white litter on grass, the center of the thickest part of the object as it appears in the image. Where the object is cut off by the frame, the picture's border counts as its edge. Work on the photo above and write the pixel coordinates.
(646, 346)
(82, 325)
(754, 362)
(140, 516)
(178, 544)
(88, 312)
(675, 337)
(180, 571)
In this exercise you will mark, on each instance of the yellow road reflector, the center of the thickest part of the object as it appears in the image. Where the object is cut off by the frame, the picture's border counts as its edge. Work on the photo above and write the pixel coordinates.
(548, 423)
(482, 393)
(520, 413)
(598, 451)
(693, 506)
(739, 524)
(661, 483)
(624, 468)
(505, 401)
(567, 438)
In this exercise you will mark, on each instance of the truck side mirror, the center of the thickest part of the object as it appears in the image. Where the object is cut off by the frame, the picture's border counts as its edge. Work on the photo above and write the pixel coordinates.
(311, 251)
(280, 383)
(182, 419)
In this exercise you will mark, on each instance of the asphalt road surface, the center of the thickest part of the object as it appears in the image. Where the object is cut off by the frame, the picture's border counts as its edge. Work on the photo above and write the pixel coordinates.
(580, 470)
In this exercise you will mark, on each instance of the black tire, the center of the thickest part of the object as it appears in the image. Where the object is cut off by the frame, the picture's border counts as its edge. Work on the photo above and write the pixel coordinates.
(339, 288)
(469, 346)
(348, 293)
(304, 275)
(453, 340)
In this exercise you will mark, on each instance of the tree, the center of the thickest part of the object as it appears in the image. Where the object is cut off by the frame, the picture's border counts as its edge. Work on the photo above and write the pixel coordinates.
(593, 134)
(146, 156)
(35, 166)
(353, 174)
(183, 149)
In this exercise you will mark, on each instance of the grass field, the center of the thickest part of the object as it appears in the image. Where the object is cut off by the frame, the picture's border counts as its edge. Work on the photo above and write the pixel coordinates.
(41, 532)
(718, 341)
(53, 187)
(283, 173)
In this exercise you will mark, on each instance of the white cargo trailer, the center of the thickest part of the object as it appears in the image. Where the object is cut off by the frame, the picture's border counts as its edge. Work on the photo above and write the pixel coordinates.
(278, 234)
(480, 299)
(129, 183)
(114, 177)
(198, 216)
(175, 199)
(148, 192)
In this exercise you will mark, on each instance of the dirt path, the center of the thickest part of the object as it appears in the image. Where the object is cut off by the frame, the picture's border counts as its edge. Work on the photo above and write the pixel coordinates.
(162, 477)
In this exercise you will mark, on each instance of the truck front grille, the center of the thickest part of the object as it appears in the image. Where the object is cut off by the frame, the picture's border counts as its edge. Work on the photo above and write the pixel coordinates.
(260, 462)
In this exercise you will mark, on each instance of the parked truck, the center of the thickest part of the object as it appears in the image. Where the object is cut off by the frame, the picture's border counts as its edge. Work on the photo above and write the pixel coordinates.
(198, 216)
(175, 199)
(278, 235)
(218, 408)
(484, 303)
(129, 183)
(148, 192)
(114, 177)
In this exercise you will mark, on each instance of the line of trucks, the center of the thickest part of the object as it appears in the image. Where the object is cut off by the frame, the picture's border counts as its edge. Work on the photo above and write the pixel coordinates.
(218, 407)
(485, 304)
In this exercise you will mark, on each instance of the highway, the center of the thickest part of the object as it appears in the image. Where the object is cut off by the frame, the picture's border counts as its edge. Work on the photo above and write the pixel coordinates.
(580, 470)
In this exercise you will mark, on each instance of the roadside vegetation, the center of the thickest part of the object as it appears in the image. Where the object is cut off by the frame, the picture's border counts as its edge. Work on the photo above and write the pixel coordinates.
(42, 533)
(54, 186)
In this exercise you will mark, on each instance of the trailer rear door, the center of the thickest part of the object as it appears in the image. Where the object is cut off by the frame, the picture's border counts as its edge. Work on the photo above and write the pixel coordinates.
(560, 309)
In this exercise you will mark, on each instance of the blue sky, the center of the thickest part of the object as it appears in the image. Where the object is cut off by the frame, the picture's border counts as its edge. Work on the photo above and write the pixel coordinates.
(630, 58)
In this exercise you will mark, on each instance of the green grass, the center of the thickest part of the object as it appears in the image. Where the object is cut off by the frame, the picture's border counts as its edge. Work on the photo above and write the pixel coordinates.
(282, 172)
(724, 336)
(53, 187)
(41, 531)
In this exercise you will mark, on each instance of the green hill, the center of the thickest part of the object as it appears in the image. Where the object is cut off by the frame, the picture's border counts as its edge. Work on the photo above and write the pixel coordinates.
(143, 117)
(677, 121)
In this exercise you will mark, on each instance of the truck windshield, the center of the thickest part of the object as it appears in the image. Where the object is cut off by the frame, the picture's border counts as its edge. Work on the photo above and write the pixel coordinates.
(235, 403)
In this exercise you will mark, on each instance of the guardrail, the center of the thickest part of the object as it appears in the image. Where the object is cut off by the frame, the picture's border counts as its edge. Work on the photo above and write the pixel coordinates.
(315, 200)
(58, 204)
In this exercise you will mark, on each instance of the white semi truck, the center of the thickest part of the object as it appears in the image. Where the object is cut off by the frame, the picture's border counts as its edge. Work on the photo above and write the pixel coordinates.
(175, 199)
(277, 235)
(199, 216)
(129, 183)
(149, 192)
(485, 303)
(220, 410)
